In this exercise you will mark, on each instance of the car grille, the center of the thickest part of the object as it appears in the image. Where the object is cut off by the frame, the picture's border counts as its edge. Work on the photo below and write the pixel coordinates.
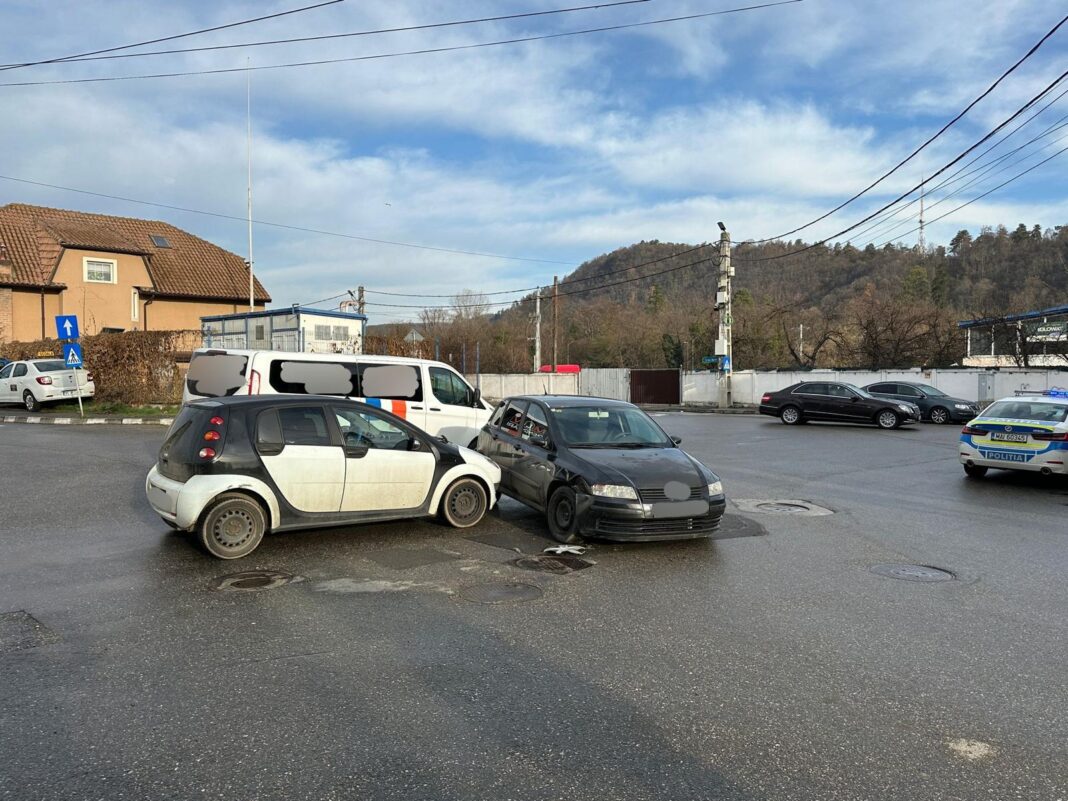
(679, 525)
(657, 495)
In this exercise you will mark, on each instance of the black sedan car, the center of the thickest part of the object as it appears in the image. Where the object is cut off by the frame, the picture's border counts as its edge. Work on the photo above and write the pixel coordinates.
(600, 468)
(833, 401)
(935, 405)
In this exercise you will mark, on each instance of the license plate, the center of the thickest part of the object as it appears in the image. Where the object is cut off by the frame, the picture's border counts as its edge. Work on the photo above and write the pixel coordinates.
(69, 391)
(1002, 436)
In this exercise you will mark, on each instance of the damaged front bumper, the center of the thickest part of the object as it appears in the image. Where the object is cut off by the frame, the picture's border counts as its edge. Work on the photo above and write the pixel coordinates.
(634, 521)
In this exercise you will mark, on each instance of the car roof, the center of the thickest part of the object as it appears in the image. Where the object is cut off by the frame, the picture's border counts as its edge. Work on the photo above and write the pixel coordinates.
(569, 400)
(1038, 396)
(308, 356)
(275, 400)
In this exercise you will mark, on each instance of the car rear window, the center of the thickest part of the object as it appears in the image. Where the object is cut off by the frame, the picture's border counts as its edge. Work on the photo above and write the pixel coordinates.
(49, 367)
(176, 455)
(1028, 410)
(215, 375)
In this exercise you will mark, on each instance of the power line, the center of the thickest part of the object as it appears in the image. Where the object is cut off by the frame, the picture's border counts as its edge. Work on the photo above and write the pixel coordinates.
(898, 199)
(941, 131)
(404, 29)
(281, 225)
(425, 51)
(78, 56)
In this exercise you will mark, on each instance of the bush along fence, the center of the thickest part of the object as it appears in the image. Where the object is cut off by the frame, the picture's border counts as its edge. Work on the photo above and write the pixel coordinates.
(133, 367)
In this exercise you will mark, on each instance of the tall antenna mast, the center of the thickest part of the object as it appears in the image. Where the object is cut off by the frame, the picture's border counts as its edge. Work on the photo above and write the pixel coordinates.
(923, 241)
(248, 118)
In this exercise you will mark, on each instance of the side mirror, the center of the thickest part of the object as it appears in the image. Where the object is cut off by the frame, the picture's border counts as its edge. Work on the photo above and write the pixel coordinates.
(676, 440)
(442, 437)
(356, 451)
(854, 399)
(476, 398)
(541, 442)
(416, 444)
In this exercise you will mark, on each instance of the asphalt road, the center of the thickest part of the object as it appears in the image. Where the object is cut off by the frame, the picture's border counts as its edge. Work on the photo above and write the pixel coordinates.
(770, 664)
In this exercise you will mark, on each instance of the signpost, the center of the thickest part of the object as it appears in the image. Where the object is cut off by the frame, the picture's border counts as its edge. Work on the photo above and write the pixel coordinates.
(67, 329)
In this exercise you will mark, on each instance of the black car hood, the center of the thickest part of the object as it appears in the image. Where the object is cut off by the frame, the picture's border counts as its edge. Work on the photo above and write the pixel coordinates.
(642, 467)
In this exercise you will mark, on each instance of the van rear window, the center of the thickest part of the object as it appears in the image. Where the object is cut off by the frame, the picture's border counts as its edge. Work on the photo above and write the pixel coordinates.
(214, 375)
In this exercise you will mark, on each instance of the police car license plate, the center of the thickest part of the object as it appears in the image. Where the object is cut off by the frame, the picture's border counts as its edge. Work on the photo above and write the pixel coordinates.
(1002, 436)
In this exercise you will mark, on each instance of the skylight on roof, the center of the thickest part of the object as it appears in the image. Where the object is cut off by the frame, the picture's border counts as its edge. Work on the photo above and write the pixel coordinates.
(160, 241)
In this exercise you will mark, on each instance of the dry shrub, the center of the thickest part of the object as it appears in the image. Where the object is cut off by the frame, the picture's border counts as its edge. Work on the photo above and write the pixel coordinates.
(397, 346)
(134, 367)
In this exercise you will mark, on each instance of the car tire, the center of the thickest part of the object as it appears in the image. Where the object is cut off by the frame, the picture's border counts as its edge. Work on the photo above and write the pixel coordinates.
(562, 516)
(29, 400)
(464, 503)
(790, 415)
(887, 419)
(939, 415)
(975, 470)
(233, 526)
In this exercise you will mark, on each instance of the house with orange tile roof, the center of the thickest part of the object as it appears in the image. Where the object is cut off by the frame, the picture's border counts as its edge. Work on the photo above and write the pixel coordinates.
(115, 273)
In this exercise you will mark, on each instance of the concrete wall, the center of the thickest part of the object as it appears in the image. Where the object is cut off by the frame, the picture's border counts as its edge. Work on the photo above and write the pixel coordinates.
(496, 385)
(970, 384)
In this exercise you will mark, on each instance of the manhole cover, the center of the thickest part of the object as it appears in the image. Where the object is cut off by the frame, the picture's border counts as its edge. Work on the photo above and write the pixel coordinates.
(782, 508)
(913, 572)
(500, 593)
(253, 580)
(559, 565)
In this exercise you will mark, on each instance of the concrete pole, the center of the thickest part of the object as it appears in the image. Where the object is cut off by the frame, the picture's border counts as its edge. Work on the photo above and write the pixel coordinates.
(537, 331)
(726, 321)
(556, 317)
(360, 303)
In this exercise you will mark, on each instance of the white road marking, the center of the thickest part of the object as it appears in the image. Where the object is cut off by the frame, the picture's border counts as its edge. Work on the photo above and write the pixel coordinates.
(971, 750)
(348, 585)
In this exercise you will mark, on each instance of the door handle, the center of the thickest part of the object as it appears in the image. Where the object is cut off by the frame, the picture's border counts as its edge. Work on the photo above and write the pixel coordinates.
(435, 409)
(420, 408)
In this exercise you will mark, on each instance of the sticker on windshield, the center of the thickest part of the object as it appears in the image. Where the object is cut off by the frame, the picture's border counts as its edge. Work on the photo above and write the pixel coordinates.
(598, 414)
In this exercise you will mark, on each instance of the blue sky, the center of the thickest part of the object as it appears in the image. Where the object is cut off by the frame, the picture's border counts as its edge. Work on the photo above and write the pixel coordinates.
(557, 150)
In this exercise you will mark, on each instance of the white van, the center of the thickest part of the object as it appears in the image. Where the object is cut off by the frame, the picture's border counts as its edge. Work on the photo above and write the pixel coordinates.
(428, 394)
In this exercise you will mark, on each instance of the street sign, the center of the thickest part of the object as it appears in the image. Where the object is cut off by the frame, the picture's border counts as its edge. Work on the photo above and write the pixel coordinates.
(72, 354)
(710, 360)
(67, 326)
(725, 364)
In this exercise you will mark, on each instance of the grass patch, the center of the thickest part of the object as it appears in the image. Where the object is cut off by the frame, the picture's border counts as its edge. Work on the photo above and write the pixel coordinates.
(94, 407)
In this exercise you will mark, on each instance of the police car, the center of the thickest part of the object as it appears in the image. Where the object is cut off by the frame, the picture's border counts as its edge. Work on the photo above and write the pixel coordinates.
(1025, 432)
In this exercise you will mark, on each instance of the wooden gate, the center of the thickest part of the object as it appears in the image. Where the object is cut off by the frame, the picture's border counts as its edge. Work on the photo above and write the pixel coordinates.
(654, 386)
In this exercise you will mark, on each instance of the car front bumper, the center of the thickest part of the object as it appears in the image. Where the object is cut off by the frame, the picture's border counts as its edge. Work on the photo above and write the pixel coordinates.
(1053, 461)
(633, 521)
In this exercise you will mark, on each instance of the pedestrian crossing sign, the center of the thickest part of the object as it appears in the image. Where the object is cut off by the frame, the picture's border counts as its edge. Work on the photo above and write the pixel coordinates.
(72, 354)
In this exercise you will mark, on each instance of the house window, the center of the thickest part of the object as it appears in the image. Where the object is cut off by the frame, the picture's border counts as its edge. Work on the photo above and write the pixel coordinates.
(322, 332)
(135, 302)
(160, 241)
(341, 332)
(101, 271)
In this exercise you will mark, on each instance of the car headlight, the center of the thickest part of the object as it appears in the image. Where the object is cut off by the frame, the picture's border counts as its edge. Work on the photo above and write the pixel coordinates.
(962, 406)
(905, 407)
(614, 491)
(715, 488)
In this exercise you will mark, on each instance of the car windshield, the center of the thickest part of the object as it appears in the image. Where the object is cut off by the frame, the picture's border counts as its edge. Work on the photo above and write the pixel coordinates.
(927, 389)
(49, 367)
(608, 427)
(1028, 410)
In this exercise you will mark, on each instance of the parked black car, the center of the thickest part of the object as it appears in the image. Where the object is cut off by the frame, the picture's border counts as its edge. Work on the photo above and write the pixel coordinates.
(833, 401)
(935, 405)
(600, 468)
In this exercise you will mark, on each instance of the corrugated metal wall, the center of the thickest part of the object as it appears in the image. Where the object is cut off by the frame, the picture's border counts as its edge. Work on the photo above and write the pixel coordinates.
(613, 382)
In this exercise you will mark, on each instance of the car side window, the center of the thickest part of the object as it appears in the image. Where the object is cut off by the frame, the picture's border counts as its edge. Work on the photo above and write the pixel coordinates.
(360, 427)
(495, 421)
(885, 389)
(839, 391)
(449, 388)
(536, 427)
(391, 382)
(513, 416)
(304, 425)
(907, 391)
(6, 372)
(20, 370)
(268, 431)
(811, 389)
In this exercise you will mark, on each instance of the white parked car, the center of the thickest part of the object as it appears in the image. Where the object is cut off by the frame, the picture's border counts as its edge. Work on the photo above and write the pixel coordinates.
(430, 395)
(1026, 432)
(38, 381)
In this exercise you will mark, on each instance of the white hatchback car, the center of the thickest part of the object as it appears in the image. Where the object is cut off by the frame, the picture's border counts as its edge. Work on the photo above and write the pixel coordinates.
(1025, 432)
(38, 381)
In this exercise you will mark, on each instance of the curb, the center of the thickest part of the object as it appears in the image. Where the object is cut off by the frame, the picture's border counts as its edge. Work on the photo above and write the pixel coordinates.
(701, 410)
(86, 421)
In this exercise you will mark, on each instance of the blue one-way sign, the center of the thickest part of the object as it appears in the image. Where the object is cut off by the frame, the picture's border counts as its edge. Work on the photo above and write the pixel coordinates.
(72, 354)
(67, 326)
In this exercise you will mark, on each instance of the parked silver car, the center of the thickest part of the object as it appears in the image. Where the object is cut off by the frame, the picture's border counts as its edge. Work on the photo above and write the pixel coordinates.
(38, 381)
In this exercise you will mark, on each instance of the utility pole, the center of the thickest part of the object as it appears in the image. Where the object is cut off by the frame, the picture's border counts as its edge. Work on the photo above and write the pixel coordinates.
(248, 118)
(801, 344)
(537, 331)
(723, 303)
(359, 300)
(556, 316)
(923, 240)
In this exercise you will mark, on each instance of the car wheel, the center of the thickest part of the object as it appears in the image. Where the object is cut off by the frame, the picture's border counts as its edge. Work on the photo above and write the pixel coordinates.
(562, 516)
(465, 503)
(975, 470)
(790, 415)
(232, 527)
(939, 415)
(31, 402)
(887, 419)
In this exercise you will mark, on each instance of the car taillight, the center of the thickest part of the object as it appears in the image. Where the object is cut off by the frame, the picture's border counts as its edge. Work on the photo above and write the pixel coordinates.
(89, 377)
(212, 436)
(216, 421)
(253, 382)
(207, 453)
(44, 379)
(766, 398)
(1053, 436)
(974, 431)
